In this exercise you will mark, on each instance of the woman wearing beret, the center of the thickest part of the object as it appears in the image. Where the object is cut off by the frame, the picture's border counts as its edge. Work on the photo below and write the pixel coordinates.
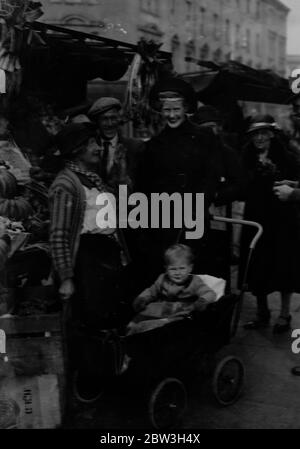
(274, 264)
(86, 257)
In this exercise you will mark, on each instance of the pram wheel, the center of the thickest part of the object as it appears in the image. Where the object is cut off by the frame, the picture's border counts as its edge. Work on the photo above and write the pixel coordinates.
(167, 403)
(228, 379)
(87, 397)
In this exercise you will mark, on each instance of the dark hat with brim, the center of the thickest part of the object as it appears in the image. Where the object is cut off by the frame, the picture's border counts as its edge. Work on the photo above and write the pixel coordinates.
(70, 139)
(173, 86)
(262, 122)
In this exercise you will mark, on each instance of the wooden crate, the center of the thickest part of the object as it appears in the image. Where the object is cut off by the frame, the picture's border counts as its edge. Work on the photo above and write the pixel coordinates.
(33, 377)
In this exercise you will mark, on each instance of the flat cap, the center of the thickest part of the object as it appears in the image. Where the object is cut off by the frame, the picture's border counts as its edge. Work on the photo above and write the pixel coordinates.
(102, 105)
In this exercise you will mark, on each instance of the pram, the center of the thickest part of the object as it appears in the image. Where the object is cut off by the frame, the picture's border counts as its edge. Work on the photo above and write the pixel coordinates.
(167, 375)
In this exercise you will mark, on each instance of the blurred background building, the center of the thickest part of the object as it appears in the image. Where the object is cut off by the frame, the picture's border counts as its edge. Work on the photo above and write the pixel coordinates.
(292, 63)
(253, 32)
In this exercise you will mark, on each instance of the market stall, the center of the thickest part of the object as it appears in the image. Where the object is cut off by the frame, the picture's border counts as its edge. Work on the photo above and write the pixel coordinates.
(44, 72)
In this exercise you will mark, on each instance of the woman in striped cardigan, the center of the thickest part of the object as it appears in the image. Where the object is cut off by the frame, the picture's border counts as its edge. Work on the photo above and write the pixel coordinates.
(87, 258)
(84, 254)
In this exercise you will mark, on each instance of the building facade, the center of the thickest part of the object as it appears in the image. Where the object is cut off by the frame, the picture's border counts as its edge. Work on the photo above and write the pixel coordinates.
(250, 31)
(292, 63)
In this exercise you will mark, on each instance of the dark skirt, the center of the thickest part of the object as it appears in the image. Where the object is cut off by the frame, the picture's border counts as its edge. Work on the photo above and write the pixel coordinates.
(97, 270)
(275, 262)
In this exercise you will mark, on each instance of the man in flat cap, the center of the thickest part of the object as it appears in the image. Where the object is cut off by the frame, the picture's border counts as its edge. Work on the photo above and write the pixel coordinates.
(120, 155)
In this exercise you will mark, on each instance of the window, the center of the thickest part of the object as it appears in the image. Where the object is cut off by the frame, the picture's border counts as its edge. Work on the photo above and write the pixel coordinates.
(257, 9)
(150, 6)
(237, 36)
(281, 51)
(248, 40)
(204, 52)
(217, 55)
(248, 10)
(188, 9)
(272, 45)
(173, 6)
(257, 45)
(175, 44)
(202, 21)
(227, 31)
(189, 53)
(216, 25)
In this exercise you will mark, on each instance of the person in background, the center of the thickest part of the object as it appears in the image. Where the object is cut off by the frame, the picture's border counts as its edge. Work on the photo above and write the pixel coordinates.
(228, 190)
(275, 260)
(289, 191)
(230, 166)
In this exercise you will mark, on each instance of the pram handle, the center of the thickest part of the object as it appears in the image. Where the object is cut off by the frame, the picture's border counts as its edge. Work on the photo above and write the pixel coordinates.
(252, 246)
(254, 224)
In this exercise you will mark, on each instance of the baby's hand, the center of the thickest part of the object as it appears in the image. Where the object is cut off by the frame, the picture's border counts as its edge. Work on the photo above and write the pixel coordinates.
(201, 306)
(139, 304)
(183, 314)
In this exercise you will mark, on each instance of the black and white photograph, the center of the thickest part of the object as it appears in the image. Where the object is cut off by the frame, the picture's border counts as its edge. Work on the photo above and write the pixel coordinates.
(149, 219)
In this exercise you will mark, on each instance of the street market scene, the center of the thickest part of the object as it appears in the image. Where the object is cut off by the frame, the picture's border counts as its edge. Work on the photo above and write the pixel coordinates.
(149, 214)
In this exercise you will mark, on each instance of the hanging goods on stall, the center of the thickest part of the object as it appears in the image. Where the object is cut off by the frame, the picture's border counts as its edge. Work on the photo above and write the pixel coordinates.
(14, 14)
(146, 70)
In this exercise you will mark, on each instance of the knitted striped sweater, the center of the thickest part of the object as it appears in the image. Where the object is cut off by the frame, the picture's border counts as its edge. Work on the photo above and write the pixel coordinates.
(67, 208)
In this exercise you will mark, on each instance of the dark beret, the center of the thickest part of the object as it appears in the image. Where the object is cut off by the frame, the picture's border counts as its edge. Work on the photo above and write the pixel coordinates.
(72, 136)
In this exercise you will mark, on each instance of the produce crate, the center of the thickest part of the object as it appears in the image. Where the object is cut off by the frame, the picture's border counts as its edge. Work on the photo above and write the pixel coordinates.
(32, 380)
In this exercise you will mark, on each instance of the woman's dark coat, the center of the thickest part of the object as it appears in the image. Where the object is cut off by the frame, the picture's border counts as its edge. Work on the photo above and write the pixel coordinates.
(275, 263)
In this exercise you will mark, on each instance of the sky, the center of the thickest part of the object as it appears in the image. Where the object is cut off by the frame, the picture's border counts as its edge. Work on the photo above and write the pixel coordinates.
(293, 26)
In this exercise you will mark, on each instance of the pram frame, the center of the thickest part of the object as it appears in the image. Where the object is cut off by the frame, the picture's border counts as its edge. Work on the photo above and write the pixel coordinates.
(175, 382)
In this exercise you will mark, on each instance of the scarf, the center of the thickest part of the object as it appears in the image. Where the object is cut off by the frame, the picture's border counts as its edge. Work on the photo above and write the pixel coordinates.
(91, 176)
(99, 184)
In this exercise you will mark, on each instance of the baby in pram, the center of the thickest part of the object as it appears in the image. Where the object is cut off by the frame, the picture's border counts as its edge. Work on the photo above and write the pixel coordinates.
(161, 309)
(177, 293)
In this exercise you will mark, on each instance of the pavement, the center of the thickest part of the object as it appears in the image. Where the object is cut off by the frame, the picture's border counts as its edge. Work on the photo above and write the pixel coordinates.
(271, 394)
(270, 397)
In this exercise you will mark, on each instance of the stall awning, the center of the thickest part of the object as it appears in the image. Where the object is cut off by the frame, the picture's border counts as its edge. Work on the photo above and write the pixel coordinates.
(59, 61)
(239, 82)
